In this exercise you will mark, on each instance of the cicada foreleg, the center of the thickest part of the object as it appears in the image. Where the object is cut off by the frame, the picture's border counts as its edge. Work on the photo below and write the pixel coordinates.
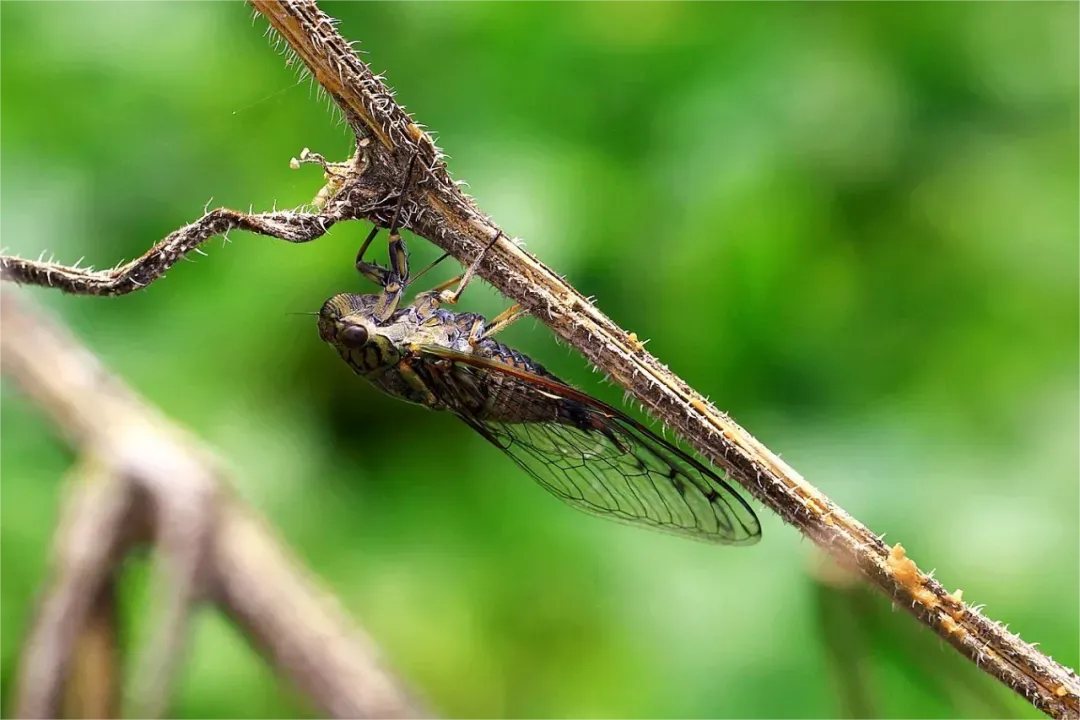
(372, 271)
(394, 279)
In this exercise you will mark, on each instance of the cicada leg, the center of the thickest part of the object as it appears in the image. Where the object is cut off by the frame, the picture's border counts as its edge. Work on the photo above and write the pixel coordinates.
(405, 370)
(501, 321)
(395, 278)
(431, 299)
(372, 271)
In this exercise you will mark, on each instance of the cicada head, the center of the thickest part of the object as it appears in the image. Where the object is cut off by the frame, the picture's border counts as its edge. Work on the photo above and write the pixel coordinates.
(339, 312)
(347, 322)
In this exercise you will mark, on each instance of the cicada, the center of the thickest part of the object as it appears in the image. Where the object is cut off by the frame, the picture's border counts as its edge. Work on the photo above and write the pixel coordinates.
(585, 452)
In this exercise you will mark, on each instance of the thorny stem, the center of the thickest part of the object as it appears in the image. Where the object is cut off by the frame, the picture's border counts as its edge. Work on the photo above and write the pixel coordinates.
(295, 227)
(440, 212)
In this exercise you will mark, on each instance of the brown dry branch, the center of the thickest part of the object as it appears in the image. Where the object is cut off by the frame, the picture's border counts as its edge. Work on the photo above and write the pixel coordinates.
(144, 480)
(364, 186)
(93, 687)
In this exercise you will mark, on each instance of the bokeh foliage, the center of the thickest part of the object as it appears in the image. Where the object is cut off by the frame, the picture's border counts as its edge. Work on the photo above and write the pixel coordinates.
(854, 226)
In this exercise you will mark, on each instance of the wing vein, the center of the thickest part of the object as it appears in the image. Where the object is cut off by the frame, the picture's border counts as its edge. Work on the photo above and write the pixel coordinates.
(588, 454)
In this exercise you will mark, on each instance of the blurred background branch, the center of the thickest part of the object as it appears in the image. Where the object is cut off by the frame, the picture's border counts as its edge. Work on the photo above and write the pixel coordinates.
(142, 479)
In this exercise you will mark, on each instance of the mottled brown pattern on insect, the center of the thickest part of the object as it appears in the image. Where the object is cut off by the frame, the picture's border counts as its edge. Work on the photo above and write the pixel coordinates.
(584, 452)
(588, 454)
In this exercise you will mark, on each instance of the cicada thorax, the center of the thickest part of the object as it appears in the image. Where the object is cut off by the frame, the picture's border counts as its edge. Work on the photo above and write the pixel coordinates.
(372, 359)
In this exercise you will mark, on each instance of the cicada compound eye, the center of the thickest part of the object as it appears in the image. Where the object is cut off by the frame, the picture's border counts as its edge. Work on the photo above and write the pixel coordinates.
(353, 336)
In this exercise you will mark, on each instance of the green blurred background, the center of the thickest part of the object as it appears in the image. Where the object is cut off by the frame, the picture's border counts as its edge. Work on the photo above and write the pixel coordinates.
(854, 227)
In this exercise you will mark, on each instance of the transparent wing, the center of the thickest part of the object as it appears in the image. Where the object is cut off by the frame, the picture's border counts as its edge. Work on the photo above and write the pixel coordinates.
(587, 453)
